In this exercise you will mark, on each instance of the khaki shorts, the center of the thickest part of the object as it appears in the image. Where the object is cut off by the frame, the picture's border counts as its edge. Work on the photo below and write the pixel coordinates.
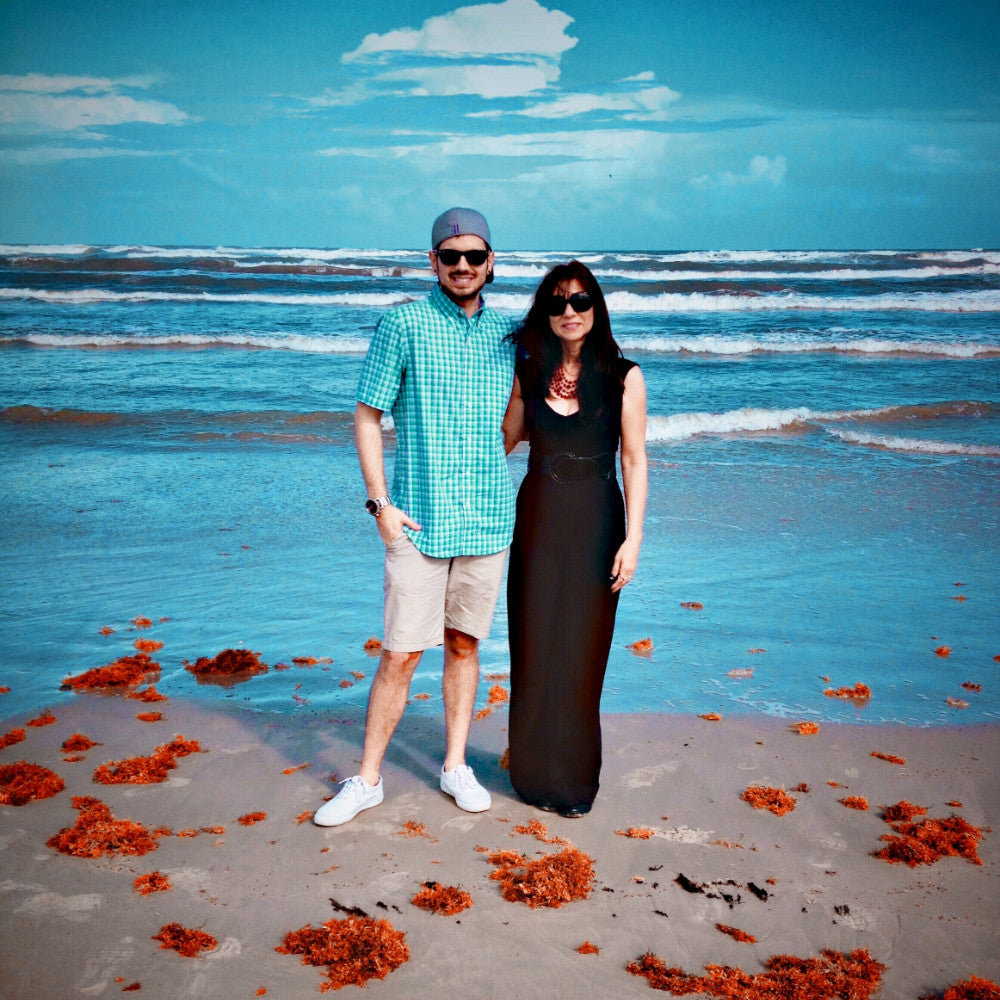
(424, 596)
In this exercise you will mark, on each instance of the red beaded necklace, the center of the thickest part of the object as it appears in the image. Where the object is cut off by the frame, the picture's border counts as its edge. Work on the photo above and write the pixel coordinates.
(561, 386)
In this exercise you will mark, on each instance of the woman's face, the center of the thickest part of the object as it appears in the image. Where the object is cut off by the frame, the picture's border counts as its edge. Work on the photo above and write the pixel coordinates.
(571, 327)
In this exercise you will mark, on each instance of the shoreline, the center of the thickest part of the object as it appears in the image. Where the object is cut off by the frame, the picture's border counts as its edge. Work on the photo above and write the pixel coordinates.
(75, 926)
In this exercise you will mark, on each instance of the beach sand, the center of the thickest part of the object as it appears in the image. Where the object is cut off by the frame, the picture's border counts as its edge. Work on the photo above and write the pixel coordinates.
(798, 883)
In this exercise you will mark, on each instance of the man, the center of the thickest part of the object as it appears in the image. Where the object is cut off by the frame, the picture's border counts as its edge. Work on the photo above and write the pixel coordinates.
(444, 368)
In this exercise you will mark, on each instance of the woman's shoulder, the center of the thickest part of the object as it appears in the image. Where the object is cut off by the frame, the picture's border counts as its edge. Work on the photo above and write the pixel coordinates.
(625, 366)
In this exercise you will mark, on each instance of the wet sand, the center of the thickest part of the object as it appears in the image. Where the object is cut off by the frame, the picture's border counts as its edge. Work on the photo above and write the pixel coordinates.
(798, 883)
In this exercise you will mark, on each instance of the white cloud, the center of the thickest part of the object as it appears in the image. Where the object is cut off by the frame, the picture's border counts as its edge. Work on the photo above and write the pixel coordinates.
(37, 83)
(42, 155)
(642, 103)
(606, 146)
(512, 28)
(762, 169)
(498, 50)
(37, 103)
(483, 81)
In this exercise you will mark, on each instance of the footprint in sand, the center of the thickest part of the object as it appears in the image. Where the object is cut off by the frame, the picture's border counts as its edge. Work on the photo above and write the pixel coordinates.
(76, 908)
(644, 777)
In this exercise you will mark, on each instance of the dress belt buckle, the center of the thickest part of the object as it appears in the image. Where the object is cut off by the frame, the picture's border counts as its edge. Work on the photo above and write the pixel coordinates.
(585, 467)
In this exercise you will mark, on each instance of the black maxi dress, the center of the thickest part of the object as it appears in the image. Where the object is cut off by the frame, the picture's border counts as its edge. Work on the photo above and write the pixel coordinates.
(570, 523)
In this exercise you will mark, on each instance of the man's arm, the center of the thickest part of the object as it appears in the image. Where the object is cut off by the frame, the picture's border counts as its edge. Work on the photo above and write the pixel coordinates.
(368, 440)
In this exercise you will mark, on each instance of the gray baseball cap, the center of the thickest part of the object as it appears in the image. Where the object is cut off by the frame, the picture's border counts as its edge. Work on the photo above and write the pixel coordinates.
(460, 222)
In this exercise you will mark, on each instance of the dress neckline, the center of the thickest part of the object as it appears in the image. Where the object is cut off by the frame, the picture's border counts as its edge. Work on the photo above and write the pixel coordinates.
(556, 413)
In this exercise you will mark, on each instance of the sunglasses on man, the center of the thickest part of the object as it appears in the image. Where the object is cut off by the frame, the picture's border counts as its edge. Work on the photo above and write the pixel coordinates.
(450, 257)
(580, 301)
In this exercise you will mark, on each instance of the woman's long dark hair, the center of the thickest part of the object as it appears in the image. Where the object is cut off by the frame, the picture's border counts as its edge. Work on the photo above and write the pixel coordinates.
(540, 350)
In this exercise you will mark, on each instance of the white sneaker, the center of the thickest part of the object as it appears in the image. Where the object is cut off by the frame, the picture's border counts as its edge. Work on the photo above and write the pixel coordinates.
(355, 795)
(460, 783)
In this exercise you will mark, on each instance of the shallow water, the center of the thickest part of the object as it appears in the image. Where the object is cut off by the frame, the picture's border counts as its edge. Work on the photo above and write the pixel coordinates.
(176, 443)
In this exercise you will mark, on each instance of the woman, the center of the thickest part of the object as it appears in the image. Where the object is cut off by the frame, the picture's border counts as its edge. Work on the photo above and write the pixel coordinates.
(574, 399)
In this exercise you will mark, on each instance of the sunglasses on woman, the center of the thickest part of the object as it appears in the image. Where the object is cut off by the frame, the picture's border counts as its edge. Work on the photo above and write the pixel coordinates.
(580, 301)
(450, 258)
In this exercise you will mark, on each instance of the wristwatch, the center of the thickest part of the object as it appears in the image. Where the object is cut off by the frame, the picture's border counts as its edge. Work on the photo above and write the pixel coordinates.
(374, 506)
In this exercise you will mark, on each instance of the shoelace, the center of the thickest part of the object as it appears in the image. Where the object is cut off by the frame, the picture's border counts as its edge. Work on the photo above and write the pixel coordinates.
(464, 777)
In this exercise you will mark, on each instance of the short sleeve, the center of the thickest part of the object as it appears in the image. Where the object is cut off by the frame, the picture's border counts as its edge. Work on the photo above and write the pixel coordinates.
(384, 363)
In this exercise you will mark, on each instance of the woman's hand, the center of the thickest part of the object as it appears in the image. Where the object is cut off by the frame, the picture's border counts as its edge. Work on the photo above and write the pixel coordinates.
(624, 566)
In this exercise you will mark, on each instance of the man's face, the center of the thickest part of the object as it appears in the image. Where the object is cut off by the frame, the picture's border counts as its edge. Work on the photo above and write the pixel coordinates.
(462, 282)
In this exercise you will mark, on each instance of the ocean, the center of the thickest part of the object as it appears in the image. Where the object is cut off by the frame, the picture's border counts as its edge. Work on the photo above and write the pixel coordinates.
(824, 443)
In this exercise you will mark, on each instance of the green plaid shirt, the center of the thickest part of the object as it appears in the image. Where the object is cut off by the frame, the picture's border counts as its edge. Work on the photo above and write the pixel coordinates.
(446, 379)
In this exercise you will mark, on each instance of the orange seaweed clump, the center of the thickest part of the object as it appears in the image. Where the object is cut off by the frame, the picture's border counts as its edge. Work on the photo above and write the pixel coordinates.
(250, 818)
(942, 651)
(411, 828)
(482, 713)
(146, 885)
(929, 840)
(132, 987)
(736, 934)
(146, 770)
(142, 622)
(230, 663)
(125, 672)
(858, 802)
(423, 696)
(78, 743)
(588, 949)
(353, 950)
(637, 832)
(45, 719)
(774, 800)
(147, 694)
(550, 880)
(96, 833)
(297, 767)
(22, 782)
(9, 739)
(537, 829)
(107, 630)
(859, 693)
(149, 716)
(804, 728)
(373, 645)
(973, 988)
(891, 758)
(444, 899)
(711, 717)
(693, 605)
(833, 976)
(185, 941)
(641, 647)
(902, 812)
(498, 695)
(148, 645)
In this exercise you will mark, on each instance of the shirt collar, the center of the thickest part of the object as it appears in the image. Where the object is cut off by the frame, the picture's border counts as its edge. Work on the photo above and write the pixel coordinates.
(451, 308)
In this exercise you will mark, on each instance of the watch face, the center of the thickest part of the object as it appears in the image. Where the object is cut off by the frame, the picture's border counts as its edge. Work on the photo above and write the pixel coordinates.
(371, 506)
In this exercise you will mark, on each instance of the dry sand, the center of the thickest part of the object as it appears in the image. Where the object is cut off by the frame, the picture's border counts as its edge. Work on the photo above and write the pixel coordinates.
(73, 927)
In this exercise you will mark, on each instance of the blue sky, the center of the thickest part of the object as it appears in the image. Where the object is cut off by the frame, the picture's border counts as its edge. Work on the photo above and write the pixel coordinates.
(573, 124)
